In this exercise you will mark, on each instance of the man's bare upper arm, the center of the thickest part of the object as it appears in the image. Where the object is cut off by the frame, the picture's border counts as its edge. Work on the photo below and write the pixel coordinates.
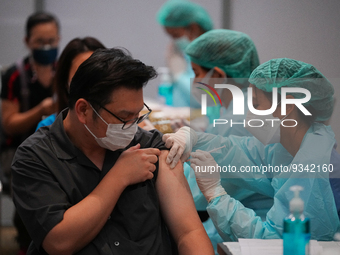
(175, 198)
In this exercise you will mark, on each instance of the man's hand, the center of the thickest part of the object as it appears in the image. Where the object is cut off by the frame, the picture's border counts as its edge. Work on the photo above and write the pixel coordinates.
(77, 228)
(136, 165)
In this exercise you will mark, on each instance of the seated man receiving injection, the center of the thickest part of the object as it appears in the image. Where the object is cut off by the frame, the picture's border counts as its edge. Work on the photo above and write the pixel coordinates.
(94, 182)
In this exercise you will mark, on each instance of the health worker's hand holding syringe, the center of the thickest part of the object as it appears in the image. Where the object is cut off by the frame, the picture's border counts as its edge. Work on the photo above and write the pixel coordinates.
(209, 182)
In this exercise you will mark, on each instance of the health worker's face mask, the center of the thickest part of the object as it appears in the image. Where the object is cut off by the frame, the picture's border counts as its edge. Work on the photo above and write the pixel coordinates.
(269, 133)
(197, 93)
(45, 55)
(116, 138)
(182, 42)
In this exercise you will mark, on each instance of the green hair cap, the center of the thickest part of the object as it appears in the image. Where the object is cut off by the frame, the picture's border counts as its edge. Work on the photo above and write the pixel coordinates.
(182, 13)
(285, 72)
(232, 51)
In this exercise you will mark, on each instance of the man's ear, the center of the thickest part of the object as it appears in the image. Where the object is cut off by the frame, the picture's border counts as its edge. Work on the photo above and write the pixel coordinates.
(83, 109)
(218, 73)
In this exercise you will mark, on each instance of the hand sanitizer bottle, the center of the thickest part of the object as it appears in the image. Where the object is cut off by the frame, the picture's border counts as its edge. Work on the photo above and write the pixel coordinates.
(296, 227)
(165, 86)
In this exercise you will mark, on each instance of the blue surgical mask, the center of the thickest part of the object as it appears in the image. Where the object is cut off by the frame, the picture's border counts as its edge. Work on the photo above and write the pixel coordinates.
(182, 42)
(45, 55)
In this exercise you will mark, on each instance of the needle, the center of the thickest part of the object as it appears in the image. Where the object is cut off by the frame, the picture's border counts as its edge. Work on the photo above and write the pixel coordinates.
(216, 149)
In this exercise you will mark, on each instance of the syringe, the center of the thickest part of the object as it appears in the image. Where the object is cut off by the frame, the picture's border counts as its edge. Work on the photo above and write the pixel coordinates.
(216, 149)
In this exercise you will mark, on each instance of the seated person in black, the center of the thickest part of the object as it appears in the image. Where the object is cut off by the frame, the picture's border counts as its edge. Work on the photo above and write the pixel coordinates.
(94, 182)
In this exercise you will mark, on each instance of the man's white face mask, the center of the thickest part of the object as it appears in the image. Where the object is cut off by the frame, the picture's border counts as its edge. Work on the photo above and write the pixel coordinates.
(116, 138)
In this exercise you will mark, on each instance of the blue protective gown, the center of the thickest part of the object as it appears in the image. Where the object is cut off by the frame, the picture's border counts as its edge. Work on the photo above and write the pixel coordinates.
(260, 203)
(223, 130)
(181, 87)
(233, 220)
(334, 178)
(47, 121)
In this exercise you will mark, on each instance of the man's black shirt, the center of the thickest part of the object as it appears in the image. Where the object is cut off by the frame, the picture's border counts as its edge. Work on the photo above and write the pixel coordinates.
(50, 175)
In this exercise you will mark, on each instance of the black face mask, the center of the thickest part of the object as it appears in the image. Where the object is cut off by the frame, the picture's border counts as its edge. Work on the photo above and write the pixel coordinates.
(45, 55)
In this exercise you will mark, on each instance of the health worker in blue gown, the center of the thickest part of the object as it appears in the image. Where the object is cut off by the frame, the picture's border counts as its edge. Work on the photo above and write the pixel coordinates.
(183, 21)
(296, 147)
(223, 56)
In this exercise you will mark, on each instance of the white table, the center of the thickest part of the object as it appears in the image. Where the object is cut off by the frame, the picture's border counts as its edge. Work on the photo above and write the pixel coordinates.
(233, 248)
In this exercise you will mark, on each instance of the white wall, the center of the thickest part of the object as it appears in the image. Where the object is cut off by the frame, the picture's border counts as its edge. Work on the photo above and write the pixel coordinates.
(13, 15)
(306, 30)
(131, 24)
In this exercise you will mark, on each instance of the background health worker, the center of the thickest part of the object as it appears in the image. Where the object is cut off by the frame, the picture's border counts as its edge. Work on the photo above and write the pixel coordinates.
(223, 56)
(183, 21)
(218, 56)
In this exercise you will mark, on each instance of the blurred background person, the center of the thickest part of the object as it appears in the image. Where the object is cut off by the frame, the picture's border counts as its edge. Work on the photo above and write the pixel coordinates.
(74, 53)
(27, 86)
(26, 95)
(183, 21)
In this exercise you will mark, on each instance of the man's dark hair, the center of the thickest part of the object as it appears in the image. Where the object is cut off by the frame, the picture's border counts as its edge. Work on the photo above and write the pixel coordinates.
(105, 71)
(37, 19)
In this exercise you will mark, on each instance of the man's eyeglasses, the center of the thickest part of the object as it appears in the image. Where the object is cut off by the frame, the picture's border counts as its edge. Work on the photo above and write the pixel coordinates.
(129, 123)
